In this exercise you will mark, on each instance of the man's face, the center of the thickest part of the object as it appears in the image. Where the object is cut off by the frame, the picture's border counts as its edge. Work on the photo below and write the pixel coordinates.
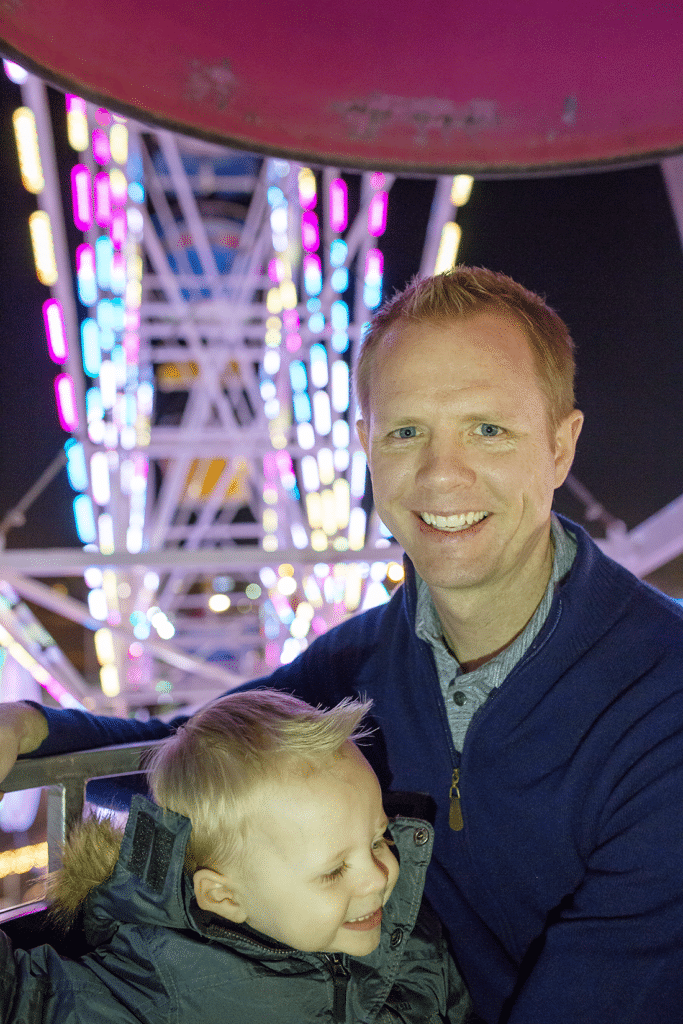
(463, 460)
(318, 869)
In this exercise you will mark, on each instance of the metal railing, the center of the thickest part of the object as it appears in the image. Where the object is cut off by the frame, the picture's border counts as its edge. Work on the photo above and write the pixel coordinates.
(65, 776)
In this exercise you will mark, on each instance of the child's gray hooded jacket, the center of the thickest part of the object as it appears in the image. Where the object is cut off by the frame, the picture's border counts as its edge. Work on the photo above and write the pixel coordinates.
(158, 959)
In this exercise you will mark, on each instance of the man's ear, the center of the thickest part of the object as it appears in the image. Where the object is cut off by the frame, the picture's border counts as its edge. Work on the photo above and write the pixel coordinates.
(565, 444)
(362, 428)
(215, 893)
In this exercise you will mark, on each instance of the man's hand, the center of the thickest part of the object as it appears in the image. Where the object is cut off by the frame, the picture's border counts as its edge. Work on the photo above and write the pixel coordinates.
(22, 729)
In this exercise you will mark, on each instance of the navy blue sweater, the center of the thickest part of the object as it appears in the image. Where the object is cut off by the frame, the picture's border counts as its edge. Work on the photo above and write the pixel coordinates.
(563, 892)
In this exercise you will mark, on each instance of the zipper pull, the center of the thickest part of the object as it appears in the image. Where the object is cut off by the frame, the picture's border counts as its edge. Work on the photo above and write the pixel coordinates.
(455, 812)
(340, 979)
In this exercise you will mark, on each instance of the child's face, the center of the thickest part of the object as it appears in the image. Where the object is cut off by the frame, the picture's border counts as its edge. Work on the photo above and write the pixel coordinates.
(317, 869)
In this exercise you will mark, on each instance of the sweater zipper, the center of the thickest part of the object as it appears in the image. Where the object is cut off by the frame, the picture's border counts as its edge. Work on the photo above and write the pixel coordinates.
(340, 979)
(455, 819)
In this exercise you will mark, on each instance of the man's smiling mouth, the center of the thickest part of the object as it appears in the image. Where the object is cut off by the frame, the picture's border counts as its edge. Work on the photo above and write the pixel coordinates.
(454, 523)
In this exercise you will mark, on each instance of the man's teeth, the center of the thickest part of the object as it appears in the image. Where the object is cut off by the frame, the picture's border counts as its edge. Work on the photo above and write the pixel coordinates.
(357, 919)
(459, 522)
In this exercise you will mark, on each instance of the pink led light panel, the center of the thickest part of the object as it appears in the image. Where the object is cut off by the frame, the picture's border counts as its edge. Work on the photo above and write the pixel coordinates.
(55, 331)
(102, 199)
(75, 105)
(67, 409)
(374, 265)
(310, 237)
(118, 229)
(131, 347)
(85, 261)
(100, 147)
(80, 197)
(276, 270)
(339, 213)
(377, 214)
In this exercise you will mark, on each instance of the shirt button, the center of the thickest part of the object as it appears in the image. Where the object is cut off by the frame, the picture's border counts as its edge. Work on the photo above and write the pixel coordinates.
(396, 937)
(459, 698)
(420, 836)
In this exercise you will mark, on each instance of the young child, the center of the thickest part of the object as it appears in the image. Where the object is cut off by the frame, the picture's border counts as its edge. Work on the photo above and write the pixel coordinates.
(263, 885)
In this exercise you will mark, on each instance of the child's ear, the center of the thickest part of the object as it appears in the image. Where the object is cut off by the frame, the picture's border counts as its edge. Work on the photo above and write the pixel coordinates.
(215, 893)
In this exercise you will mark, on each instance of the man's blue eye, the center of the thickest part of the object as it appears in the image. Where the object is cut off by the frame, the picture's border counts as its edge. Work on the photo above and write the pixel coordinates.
(489, 430)
(406, 432)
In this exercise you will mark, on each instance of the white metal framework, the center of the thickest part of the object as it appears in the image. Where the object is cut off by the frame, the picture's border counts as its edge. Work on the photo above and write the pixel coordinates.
(255, 485)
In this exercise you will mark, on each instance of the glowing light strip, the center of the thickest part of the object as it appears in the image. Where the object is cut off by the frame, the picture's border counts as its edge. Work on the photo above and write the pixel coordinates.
(81, 197)
(18, 862)
(67, 408)
(55, 331)
(40, 674)
(28, 150)
(77, 123)
(14, 72)
(43, 247)
(448, 247)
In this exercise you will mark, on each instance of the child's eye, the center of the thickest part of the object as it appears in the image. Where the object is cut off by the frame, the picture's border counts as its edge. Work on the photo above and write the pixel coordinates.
(334, 875)
(385, 840)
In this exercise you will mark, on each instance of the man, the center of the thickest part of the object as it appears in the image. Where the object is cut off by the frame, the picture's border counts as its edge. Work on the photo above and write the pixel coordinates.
(528, 687)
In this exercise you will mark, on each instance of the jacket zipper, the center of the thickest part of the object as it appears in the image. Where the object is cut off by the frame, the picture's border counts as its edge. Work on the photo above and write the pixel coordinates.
(340, 979)
(455, 819)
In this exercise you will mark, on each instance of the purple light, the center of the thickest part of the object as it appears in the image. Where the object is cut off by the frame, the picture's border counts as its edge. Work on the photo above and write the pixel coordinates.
(339, 207)
(377, 214)
(55, 331)
(131, 346)
(80, 197)
(118, 229)
(290, 319)
(100, 147)
(374, 265)
(67, 409)
(293, 342)
(102, 199)
(284, 463)
(377, 180)
(103, 117)
(275, 270)
(310, 237)
(75, 105)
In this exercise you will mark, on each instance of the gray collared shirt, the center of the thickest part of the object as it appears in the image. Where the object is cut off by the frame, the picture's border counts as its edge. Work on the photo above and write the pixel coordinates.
(465, 692)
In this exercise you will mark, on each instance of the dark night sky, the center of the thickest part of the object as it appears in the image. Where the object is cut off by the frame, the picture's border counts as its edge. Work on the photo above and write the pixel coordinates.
(602, 247)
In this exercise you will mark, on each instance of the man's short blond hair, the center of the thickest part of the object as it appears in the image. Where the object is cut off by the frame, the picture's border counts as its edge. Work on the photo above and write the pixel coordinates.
(215, 767)
(461, 294)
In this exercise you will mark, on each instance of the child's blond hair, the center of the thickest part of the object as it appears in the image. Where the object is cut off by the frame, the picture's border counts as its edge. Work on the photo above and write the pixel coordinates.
(214, 767)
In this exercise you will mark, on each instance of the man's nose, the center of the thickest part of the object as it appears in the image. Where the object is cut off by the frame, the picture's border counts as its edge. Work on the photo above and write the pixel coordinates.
(445, 464)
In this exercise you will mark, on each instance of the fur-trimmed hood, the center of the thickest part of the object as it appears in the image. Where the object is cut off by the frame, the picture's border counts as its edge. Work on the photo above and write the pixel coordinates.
(113, 877)
(90, 856)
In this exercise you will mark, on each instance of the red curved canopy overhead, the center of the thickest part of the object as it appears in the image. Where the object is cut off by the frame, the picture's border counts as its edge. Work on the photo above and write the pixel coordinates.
(490, 86)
